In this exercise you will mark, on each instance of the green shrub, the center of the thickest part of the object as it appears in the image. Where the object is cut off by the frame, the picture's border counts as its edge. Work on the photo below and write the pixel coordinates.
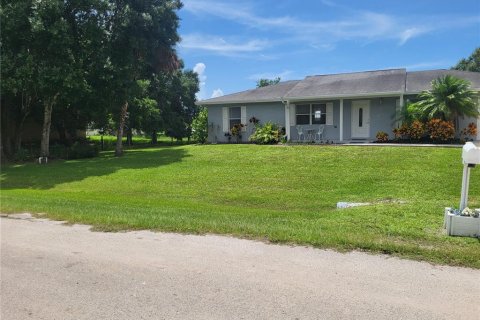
(58, 151)
(269, 133)
(82, 149)
(22, 155)
(200, 126)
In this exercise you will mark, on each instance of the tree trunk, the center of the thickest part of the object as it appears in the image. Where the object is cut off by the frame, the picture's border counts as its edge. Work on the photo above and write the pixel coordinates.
(17, 142)
(154, 137)
(25, 111)
(121, 124)
(2, 154)
(62, 133)
(129, 136)
(47, 122)
(7, 131)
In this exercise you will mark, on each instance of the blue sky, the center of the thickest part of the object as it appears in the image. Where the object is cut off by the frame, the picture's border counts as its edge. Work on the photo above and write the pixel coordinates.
(231, 44)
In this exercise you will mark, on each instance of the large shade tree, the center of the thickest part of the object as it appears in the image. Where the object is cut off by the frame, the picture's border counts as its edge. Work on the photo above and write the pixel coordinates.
(18, 86)
(49, 49)
(449, 98)
(52, 52)
(142, 36)
(67, 63)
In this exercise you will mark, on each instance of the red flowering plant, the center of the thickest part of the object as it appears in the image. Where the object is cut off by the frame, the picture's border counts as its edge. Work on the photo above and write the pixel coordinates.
(440, 130)
(470, 131)
(416, 130)
(382, 136)
(402, 132)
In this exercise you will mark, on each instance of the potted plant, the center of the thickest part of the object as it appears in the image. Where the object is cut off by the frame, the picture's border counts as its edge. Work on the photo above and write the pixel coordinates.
(464, 223)
(236, 131)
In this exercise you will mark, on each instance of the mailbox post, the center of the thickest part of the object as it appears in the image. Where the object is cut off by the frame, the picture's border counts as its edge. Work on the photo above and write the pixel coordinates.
(470, 157)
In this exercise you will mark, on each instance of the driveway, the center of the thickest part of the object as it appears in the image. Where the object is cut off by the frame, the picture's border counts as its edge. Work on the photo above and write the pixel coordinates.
(53, 271)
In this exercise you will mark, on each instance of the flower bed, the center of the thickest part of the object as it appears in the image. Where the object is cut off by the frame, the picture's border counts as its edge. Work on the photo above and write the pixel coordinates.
(465, 223)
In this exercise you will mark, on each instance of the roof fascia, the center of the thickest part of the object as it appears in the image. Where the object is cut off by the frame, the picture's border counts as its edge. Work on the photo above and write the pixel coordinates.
(206, 103)
(347, 96)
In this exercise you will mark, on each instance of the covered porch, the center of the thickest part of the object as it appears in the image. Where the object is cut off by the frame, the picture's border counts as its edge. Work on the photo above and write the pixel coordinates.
(341, 119)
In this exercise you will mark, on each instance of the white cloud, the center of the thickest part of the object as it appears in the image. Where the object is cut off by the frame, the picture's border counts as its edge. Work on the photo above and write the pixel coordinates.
(217, 93)
(200, 70)
(220, 45)
(410, 33)
(354, 25)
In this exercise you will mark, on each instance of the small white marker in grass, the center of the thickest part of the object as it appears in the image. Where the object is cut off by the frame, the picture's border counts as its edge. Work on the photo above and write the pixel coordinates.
(343, 205)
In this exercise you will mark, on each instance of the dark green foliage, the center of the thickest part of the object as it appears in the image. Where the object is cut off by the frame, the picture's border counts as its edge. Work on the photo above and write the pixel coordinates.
(76, 63)
(175, 95)
(268, 133)
(22, 155)
(58, 151)
(449, 98)
(267, 82)
(471, 63)
(82, 149)
(200, 126)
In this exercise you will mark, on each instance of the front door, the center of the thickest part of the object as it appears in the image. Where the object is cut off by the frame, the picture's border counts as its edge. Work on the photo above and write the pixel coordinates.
(361, 119)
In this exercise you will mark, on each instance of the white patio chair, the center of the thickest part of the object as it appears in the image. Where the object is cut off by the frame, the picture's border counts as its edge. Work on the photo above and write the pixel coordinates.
(300, 133)
(319, 133)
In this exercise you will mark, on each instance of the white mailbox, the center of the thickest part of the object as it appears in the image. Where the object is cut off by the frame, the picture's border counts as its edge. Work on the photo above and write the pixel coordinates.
(471, 157)
(471, 154)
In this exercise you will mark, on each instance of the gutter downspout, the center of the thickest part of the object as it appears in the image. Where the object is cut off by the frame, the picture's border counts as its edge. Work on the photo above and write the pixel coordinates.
(341, 120)
(287, 118)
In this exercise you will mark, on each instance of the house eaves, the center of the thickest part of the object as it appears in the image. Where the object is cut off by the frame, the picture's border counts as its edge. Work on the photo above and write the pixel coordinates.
(272, 93)
(345, 96)
(212, 103)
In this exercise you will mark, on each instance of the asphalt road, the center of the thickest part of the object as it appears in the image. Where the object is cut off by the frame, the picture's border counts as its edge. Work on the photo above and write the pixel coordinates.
(53, 271)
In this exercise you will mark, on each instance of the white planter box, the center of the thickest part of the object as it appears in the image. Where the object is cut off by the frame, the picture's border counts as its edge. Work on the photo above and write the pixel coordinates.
(461, 226)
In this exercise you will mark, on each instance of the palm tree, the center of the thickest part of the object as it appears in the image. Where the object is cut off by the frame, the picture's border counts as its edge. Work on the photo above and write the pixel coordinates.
(449, 98)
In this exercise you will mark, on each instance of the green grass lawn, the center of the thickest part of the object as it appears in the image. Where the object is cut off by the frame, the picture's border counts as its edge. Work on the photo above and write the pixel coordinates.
(282, 194)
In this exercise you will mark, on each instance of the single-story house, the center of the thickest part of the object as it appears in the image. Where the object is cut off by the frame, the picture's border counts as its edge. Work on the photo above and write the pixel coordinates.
(347, 107)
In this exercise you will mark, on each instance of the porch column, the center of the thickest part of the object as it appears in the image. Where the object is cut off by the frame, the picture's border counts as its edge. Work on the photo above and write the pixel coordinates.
(341, 120)
(287, 120)
(398, 121)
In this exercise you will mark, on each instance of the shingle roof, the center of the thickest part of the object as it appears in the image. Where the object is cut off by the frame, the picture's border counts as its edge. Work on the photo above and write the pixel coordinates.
(274, 92)
(393, 81)
(369, 82)
(418, 81)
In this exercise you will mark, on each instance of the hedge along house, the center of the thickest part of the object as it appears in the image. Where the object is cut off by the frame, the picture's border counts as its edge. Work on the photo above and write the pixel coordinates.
(349, 106)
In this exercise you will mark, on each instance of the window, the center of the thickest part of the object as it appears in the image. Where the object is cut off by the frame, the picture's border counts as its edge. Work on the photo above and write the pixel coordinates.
(308, 113)
(235, 116)
(360, 117)
(303, 114)
(319, 109)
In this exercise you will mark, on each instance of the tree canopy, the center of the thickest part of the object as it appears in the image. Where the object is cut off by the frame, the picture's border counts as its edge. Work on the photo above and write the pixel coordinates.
(472, 63)
(267, 82)
(70, 63)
